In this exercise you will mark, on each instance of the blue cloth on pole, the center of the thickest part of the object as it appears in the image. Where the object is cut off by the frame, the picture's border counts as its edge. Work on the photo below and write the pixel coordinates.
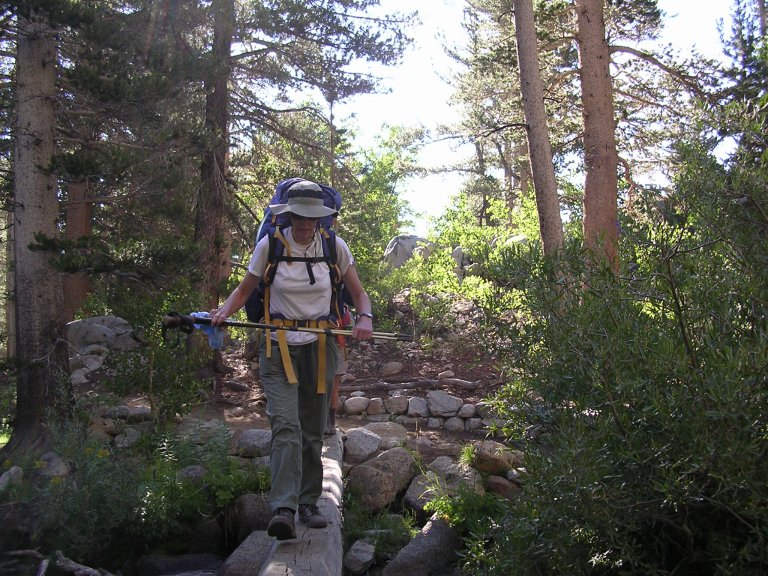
(215, 334)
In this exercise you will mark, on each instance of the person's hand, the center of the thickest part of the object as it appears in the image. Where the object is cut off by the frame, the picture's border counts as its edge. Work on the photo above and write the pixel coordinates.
(363, 329)
(217, 317)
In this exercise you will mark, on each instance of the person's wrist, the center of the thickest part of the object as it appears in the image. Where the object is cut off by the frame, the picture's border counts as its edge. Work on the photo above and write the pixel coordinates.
(365, 315)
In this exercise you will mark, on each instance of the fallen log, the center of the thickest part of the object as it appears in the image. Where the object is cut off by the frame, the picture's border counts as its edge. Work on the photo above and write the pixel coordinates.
(466, 384)
(380, 385)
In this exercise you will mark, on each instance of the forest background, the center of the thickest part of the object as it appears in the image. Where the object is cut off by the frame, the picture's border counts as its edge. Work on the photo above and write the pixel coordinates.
(142, 139)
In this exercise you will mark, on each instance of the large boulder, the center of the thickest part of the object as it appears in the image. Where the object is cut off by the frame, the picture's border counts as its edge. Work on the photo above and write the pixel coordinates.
(379, 481)
(401, 248)
(431, 551)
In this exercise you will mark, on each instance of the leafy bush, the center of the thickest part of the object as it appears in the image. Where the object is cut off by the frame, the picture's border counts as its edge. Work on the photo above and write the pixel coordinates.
(643, 397)
(166, 500)
(168, 376)
(114, 504)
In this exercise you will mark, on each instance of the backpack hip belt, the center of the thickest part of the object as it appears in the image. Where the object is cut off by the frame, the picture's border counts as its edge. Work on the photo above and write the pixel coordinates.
(282, 344)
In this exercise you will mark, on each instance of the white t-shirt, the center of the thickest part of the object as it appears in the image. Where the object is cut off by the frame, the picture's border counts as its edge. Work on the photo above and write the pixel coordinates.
(290, 294)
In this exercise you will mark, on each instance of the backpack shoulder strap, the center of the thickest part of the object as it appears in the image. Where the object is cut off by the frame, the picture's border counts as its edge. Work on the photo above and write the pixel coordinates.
(329, 251)
(278, 247)
(337, 286)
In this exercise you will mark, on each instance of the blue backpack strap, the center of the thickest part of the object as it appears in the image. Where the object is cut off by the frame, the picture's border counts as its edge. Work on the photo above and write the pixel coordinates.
(337, 287)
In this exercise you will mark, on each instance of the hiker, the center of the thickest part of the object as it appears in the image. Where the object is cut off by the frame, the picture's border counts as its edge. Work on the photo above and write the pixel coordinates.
(341, 369)
(345, 320)
(299, 295)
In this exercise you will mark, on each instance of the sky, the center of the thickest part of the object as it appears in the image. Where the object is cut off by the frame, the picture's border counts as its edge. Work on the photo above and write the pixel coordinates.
(418, 94)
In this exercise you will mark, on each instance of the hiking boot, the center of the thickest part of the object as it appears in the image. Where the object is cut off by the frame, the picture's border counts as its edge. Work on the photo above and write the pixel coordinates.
(309, 514)
(281, 525)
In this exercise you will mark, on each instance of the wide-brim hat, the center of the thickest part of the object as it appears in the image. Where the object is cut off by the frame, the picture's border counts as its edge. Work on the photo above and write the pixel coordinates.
(304, 198)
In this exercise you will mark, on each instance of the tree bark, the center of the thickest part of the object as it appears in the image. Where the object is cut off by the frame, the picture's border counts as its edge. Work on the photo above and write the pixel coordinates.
(601, 233)
(79, 211)
(210, 234)
(43, 372)
(539, 146)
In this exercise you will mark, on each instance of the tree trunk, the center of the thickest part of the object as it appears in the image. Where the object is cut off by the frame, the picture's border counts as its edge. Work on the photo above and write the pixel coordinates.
(211, 204)
(79, 211)
(43, 374)
(539, 147)
(10, 309)
(601, 233)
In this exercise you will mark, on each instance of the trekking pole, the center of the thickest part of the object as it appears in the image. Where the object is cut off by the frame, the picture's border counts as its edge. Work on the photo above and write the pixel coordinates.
(187, 324)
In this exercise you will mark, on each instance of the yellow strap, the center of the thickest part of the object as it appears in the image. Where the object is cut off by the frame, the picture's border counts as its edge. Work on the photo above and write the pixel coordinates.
(286, 246)
(282, 343)
(321, 340)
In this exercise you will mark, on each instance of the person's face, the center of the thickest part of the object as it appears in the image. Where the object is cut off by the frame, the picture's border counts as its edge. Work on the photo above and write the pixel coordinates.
(303, 228)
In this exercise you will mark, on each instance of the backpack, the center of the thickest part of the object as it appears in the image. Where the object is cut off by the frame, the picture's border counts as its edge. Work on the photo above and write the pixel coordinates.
(272, 225)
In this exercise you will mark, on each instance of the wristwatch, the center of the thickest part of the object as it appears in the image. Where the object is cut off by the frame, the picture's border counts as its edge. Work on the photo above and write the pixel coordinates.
(366, 314)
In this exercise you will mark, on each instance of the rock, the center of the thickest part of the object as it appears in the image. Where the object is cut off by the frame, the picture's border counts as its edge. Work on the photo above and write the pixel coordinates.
(396, 405)
(53, 465)
(442, 404)
(418, 407)
(494, 457)
(86, 362)
(359, 557)
(454, 424)
(379, 481)
(207, 538)
(254, 442)
(194, 474)
(421, 491)
(467, 411)
(375, 407)
(390, 369)
(14, 476)
(251, 512)
(401, 248)
(360, 444)
(391, 433)
(129, 413)
(434, 548)
(127, 438)
(457, 475)
(471, 424)
(236, 386)
(356, 405)
(502, 487)
(111, 331)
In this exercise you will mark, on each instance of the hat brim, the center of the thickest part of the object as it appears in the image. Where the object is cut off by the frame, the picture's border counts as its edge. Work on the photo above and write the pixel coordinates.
(306, 210)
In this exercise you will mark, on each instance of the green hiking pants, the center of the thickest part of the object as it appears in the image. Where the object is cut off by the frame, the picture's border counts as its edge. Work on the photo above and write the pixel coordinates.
(297, 416)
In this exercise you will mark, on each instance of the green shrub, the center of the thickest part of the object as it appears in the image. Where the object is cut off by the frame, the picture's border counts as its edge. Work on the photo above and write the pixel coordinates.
(167, 501)
(642, 398)
(86, 513)
(115, 504)
(167, 375)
